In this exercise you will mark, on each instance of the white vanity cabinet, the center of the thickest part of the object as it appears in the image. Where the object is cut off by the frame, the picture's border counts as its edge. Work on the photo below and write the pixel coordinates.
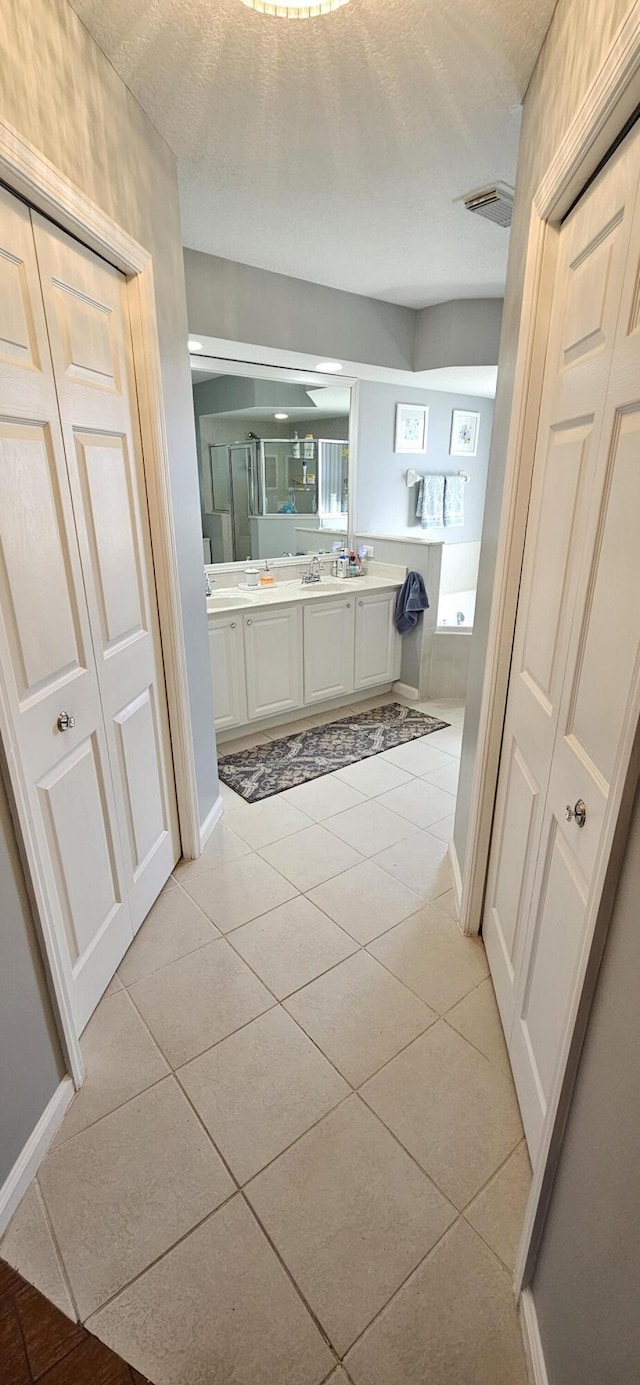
(226, 654)
(273, 660)
(328, 649)
(377, 646)
(313, 650)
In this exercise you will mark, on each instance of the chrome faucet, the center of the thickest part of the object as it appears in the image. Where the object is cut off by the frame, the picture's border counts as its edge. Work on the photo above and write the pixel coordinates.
(313, 572)
(208, 579)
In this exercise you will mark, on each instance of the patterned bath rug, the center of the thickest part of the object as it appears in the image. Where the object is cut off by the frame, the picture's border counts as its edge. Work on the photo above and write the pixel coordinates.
(279, 765)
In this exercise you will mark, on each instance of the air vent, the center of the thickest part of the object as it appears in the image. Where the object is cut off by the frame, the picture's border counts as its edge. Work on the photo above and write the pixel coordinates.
(495, 203)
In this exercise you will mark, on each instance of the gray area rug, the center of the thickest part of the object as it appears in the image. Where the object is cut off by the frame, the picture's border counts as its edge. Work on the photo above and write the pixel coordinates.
(279, 765)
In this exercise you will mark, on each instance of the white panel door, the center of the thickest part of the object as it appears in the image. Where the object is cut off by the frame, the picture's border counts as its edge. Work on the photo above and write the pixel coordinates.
(48, 664)
(226, 655)
(377, 657)
(574, 678)
(328, 649)
(88, 325)
(273, 657)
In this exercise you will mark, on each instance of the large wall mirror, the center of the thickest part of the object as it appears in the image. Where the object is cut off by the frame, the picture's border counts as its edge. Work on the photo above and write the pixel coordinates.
(274, 462)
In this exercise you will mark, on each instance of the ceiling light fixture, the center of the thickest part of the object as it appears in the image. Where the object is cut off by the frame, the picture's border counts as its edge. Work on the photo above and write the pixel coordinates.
(329, 367)
(280, 415)
(194, 345)
(294, 9)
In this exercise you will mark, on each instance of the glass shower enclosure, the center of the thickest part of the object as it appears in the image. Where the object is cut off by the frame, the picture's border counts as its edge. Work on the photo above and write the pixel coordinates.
(307, 477)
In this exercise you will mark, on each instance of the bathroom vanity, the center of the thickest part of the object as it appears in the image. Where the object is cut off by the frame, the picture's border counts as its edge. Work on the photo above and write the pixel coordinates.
(275, 651)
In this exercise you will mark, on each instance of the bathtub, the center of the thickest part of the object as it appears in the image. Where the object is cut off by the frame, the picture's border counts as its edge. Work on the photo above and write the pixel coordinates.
(456, 610)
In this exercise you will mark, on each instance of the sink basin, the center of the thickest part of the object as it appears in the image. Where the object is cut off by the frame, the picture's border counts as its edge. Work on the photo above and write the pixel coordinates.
(216, 603)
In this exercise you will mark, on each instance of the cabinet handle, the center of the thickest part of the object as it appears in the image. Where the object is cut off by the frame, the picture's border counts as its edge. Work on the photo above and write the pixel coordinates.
(348, 605)
(361, 603)
(233, 625)
(249, 622)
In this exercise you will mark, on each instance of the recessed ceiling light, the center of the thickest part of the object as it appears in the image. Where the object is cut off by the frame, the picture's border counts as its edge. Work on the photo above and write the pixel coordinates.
(194, 345)
(329, 367)
(294, 9)
(280, 415)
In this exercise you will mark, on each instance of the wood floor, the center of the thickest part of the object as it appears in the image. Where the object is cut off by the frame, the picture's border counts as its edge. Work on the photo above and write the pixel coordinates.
(38, 1343)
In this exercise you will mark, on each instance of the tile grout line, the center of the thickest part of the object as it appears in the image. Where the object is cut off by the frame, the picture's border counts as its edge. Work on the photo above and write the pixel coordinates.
(367, 1328)
(496, 1172)
(324, 1334)
(56, 1245)
(111, 1299)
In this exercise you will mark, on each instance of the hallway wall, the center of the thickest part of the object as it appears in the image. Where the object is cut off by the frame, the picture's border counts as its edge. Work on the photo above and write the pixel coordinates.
(578, 40)
(31, 1062)
(60, 93)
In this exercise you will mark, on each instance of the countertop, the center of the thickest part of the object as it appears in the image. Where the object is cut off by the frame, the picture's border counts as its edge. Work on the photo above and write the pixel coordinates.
(224, 600)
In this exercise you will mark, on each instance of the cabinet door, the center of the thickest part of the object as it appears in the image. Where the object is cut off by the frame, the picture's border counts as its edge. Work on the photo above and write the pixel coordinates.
(226, 654)
(377, 658)
(328, 649)
(273, 656)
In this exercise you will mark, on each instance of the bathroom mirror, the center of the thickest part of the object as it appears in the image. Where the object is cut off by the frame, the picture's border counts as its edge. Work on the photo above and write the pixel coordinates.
(273, 457)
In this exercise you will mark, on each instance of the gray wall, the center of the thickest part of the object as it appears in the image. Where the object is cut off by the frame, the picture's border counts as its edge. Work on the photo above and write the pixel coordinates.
(60, 93)
(578, 39)
(240, 303)
(31, 1062)
(384, 504)
(464, 331)
(587, 1278)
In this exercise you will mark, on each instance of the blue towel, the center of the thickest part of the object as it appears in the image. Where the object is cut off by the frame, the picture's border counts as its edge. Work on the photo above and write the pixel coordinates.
(453, 500)
(412, 599)
(430, 503)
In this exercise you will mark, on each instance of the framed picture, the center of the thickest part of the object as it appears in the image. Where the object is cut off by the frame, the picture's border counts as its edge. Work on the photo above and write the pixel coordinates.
(464, 433)
(411, 428)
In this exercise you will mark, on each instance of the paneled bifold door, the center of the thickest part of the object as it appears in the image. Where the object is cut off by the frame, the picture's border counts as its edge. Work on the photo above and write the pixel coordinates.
(78, 628)
(576, 661)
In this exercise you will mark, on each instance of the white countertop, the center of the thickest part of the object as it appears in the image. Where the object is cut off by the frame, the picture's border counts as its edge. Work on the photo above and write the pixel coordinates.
(224, 600)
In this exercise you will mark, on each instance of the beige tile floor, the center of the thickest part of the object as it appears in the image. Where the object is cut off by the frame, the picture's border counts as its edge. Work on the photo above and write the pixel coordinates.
(297, 1156)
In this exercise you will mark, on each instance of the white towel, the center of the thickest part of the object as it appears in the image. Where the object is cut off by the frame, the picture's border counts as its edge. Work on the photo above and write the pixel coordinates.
(430, 503)
(453, 501)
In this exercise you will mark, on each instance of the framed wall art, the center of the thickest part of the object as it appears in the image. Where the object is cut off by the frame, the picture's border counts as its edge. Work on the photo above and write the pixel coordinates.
(465, 427)
(411, 428)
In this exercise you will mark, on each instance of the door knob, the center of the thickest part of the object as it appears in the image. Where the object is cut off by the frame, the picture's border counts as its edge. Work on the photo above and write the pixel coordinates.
(65, 722)
(249, 622)
(579, 812)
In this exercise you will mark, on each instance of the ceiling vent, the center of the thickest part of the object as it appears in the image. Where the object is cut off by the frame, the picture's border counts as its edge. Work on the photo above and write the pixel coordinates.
(495, 203)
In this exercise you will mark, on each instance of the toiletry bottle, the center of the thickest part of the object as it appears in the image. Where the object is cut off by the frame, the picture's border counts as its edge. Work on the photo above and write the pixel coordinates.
(295, 450)
(266, 577)
(308, 447)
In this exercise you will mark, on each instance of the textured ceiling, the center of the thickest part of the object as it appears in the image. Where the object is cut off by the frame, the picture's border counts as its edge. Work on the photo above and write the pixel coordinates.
(332, 149)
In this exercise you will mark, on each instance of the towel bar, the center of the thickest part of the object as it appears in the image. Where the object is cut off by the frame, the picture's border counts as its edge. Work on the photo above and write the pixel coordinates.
(413, 478)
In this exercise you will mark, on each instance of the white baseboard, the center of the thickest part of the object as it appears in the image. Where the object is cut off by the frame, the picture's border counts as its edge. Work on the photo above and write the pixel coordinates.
(213, 817)
(456, 877)
(406, 690)
(532, 1340)
(30, 1158)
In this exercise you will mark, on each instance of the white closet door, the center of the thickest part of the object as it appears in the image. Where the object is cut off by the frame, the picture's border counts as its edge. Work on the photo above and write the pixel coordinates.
(574, 678)
(48, 665)
(88, 324)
